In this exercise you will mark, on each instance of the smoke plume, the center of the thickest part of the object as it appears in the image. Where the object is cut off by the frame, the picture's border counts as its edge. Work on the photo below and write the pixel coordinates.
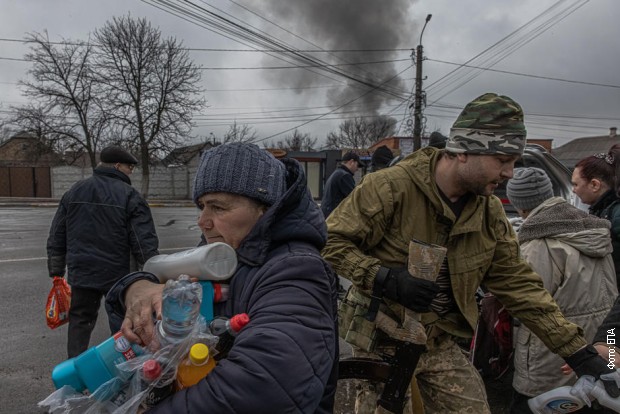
(370, 25)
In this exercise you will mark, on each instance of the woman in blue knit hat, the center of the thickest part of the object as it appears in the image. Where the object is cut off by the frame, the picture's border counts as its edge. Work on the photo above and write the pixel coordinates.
(285, 359)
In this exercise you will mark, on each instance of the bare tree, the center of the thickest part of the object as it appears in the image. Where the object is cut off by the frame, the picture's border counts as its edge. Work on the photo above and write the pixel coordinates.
(68, 113)
(239, 133)
(297, 141)
(153, 87)
(361, 133)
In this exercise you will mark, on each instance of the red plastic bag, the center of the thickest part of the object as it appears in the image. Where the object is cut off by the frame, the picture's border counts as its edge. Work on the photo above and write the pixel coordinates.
(58, 302)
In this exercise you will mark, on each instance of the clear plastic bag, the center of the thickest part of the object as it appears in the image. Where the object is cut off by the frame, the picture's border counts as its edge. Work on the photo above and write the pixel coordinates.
(125, 393)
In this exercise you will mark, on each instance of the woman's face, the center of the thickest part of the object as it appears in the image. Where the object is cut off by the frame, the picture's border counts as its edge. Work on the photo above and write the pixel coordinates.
(227, 218)
(588, 191)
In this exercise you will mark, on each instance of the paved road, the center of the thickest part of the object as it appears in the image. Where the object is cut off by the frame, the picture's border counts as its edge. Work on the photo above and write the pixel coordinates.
(29, 349)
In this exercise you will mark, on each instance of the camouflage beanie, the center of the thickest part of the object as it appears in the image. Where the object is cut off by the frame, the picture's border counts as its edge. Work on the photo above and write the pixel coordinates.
(490, 124)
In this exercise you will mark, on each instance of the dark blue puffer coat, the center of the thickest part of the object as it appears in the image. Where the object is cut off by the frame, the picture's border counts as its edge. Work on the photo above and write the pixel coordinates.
(285, 360)
(100, 222)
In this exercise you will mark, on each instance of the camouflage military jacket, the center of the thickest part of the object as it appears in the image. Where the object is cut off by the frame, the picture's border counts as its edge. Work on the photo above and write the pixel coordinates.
(374, 225)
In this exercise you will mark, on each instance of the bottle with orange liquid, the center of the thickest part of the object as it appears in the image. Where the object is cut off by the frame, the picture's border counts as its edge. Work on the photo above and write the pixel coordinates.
(195, 366)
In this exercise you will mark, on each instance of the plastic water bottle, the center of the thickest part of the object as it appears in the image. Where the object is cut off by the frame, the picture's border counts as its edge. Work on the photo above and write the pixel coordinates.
(180, 308)
(215, 261)
(195, 366)
(556, 401)
(567, 399)
(226, 330)
(96, 365)
(158, 381)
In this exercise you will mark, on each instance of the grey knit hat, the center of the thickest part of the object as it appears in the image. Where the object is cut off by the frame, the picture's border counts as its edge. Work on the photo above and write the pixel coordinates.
(528, 188)
(243, 169)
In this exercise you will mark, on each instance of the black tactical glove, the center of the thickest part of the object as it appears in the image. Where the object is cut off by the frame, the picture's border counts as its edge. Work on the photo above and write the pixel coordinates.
(411, 292)
(587, 361)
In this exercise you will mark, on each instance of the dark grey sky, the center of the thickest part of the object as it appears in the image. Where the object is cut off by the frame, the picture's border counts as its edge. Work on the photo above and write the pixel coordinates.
(573, 40)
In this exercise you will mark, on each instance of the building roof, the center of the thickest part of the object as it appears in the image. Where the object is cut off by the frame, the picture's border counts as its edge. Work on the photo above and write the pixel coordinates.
(572, 152)
(25, 149)
(183, 155)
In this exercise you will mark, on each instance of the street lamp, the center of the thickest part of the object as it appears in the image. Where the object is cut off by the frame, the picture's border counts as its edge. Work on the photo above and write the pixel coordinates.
(417, 112)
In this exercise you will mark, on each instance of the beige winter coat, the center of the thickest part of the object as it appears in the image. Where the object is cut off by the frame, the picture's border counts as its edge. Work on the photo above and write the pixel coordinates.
(571, 251)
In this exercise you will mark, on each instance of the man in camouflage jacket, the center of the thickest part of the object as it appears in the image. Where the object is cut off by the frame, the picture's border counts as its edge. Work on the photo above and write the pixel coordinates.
(444, 197)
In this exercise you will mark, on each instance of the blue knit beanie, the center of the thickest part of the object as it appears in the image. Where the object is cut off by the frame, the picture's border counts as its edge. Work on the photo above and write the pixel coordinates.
(243, 169)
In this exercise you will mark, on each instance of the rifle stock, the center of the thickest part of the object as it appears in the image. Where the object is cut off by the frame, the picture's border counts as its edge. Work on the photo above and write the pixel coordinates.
(425, 261)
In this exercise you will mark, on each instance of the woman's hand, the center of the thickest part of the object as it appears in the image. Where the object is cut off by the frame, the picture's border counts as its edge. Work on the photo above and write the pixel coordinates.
(142, 299)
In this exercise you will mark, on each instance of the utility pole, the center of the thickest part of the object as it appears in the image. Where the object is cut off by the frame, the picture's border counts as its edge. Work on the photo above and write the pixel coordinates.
(417, 111)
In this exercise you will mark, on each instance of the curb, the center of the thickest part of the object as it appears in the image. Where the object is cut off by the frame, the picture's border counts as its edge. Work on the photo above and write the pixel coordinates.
(7, 203)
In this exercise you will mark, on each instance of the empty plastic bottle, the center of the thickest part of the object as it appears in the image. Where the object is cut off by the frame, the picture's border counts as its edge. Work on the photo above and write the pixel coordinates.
(195, 366)
(568, 399)
(215, 261)
(226, 330)
(180, 308)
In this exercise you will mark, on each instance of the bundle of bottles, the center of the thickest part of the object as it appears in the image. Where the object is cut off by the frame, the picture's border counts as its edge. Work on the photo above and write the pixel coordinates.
(120, 377)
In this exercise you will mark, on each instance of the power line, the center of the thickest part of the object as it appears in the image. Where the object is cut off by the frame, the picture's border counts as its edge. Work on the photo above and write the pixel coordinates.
(528, 75)
(339, 107)
(515, 40)
(318, 65)
(212, 21)
(202, 49)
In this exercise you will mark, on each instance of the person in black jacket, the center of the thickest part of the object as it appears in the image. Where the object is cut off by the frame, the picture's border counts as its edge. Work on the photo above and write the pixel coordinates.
(381, 158)
(340, 184)
(101, 225)
(286, 359)
(595, 183)
(607, 336)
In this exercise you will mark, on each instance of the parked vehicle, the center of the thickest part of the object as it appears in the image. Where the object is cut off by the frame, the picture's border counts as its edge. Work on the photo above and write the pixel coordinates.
(537, 156)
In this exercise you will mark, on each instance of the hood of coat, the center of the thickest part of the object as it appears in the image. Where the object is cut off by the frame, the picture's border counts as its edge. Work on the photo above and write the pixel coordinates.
(295, 216)
(557, 219)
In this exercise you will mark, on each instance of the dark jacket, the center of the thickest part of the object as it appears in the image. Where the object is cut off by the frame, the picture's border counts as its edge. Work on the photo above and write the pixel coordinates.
(285, 360)
(338, 186)
(608, 207)
(611, 324)
(100, 222)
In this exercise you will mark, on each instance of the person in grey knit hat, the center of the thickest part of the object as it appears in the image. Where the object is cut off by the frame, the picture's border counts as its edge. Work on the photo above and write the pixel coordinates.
(571, 251)
(443, 197)
(528, 188)
(242, 169)
(261, 207)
